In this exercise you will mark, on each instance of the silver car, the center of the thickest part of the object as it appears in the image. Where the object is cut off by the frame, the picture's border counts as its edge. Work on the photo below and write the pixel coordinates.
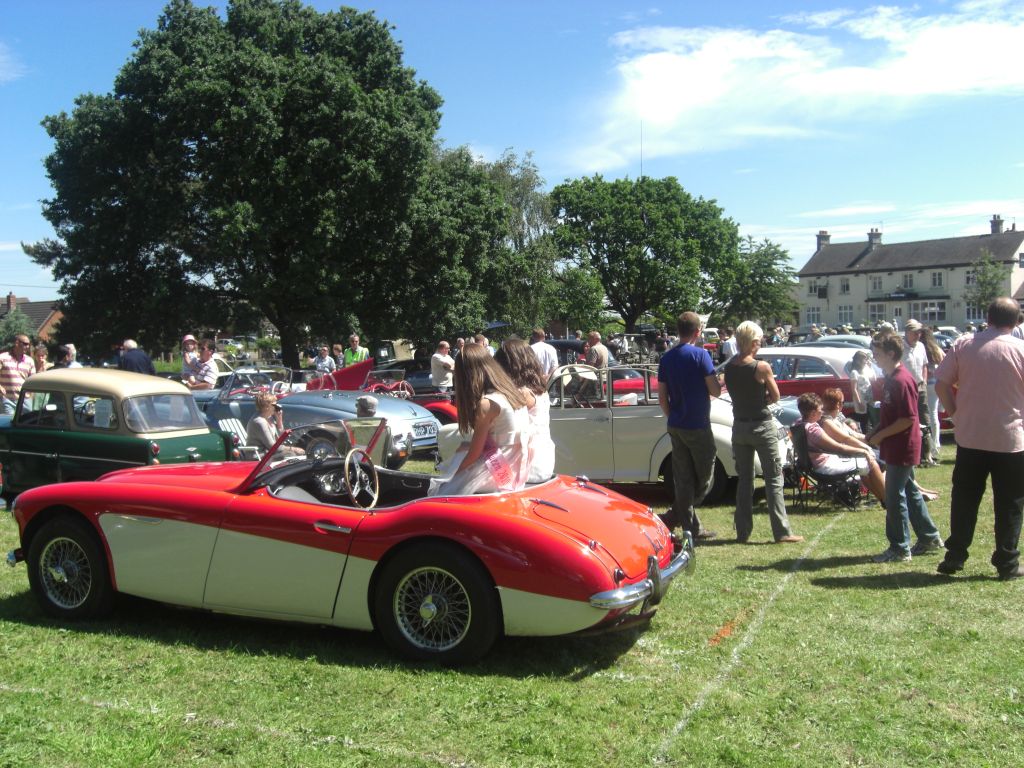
(413, 428)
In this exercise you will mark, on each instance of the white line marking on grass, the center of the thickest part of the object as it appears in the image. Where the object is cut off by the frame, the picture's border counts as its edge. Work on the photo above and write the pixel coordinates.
(715, 683)
(193, 719)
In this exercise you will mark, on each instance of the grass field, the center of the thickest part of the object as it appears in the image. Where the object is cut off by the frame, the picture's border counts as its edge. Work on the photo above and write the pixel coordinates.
(770, 655)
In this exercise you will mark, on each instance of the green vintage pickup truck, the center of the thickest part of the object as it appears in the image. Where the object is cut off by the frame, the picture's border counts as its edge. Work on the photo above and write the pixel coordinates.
(80, 423)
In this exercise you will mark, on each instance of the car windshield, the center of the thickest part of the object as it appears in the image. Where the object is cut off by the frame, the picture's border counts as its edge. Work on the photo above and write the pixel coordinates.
(162, 413)
(245, 382)
(315, 443)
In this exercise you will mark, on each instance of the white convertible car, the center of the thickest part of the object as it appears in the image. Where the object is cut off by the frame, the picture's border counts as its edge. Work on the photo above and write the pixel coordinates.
(623, 438)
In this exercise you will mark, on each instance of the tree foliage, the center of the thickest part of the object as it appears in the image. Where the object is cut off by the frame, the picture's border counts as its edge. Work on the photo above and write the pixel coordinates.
(578, 298)
(990, 281)
(15, 323)
(269, 156)
(656, 249)
(763, 286)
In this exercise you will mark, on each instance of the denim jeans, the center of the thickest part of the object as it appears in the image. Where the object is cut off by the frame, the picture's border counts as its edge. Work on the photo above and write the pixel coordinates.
(973, 468)
(905, 509)
(760, 436)
(693, 464)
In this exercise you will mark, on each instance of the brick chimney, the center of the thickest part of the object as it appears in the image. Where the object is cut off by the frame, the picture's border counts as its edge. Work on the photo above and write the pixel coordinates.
(874, 238)
(824, 238)
(997, 224)
(12, 302)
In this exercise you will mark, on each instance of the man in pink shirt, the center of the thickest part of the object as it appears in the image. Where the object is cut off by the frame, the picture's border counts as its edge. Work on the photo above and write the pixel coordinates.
(981, 386)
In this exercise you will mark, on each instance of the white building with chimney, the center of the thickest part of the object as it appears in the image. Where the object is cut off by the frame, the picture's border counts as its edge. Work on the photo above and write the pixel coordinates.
(864, 283)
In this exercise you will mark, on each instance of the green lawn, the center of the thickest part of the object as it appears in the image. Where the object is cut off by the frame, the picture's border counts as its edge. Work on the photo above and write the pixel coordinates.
(773, 655)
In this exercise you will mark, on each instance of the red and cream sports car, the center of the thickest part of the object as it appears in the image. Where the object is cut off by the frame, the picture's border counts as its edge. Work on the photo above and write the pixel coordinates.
(325, 536)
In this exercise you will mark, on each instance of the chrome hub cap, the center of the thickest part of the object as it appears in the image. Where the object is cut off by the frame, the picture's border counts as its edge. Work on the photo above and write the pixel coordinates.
(66, 573)
(432, 609)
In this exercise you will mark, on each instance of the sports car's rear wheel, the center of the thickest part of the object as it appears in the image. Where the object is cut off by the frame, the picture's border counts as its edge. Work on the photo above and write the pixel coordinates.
(68, 572)
(435, 602)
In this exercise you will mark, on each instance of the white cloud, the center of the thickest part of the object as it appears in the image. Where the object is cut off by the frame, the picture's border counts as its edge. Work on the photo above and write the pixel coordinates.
(854, 209)
(706, 89)
(10, 67)
(10, 247)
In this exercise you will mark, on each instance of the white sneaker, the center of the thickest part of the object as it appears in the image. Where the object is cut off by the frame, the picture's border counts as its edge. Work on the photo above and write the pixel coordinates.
(892, 556)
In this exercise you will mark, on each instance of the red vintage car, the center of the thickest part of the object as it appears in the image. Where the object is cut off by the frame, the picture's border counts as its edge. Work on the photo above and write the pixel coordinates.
(327, 537)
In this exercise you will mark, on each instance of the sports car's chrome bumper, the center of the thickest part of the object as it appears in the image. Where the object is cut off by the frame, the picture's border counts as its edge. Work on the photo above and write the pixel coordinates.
(653, 588)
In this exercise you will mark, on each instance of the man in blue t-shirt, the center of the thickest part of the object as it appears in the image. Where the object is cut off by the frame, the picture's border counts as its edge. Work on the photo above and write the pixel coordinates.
(686, 382)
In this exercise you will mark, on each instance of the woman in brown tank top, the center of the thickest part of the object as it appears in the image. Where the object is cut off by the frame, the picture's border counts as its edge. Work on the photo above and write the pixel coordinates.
(752, 387)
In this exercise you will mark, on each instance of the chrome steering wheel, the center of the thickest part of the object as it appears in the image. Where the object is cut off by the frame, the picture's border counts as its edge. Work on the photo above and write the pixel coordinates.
(361, 480)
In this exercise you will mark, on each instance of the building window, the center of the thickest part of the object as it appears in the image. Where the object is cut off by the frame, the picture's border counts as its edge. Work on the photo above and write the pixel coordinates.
(970, 278)
(876, 283)
(1020, 259)
(845, 314)
(812, 287)
(973, 313)
(936, 279)
(908, 280)
(844, 285)
(928, 311)
(876, 312)
(813, 315)
(897, 312)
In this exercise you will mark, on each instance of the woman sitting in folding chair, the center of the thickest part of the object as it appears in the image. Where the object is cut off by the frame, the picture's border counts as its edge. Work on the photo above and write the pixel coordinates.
(834, 457)
(838, 427)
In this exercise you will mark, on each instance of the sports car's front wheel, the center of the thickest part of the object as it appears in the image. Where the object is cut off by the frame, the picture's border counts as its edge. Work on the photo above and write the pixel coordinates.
(68, 572)
(435, 602)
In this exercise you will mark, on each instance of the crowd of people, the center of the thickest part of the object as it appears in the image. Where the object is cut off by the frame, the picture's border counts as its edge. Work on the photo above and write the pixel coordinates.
(979, 383)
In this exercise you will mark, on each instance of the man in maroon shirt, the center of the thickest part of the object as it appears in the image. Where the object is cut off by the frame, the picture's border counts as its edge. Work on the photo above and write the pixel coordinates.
(899, 440)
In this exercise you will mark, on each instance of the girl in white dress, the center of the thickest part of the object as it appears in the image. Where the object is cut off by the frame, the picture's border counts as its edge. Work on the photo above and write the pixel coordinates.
(496, 456)
(523, 367)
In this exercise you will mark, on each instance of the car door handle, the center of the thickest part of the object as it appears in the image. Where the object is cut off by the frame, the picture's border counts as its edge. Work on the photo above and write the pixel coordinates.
(325, 526)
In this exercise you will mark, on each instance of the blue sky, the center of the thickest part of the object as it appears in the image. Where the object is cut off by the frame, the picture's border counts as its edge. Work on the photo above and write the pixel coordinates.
(794, 116)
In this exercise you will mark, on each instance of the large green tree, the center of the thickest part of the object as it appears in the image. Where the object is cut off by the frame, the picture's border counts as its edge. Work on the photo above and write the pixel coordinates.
(455, 230)
(266, 156)
(762, 288)
(656, 248)
(520, 279)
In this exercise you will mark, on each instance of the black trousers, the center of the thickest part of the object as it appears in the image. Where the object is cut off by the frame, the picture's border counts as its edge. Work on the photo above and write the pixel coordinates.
(972, 470)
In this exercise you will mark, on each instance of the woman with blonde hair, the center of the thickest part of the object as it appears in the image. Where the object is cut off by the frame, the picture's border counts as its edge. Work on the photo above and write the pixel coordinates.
(752, 388)
(522, 365)
(493, 414)
(264, 429)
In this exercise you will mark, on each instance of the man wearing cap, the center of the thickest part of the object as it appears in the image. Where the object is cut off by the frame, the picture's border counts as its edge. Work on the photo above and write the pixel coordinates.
(915, 360)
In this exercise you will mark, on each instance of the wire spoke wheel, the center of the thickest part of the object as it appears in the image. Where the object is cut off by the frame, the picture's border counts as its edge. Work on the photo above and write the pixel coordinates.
(432, 609)
(65, 573)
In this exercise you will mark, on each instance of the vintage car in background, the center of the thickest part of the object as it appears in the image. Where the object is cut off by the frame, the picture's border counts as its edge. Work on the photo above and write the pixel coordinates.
(839, 340)
(79, 423)
(413, 430)
(624, 440)
(332, 539)
(800, 369)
